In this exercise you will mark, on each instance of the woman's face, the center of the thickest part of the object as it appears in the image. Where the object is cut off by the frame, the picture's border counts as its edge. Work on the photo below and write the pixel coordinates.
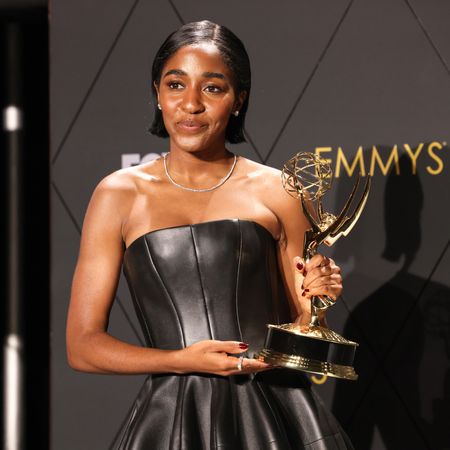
(197, 97)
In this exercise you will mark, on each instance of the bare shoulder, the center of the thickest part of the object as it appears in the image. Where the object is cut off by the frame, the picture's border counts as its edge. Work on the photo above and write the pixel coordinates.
(122, 185)
(286, 208)
(119, 182)
(112, 200)
(268, 181)
(262, 175)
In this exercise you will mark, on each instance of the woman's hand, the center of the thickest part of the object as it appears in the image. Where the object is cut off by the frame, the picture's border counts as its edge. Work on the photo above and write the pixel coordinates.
(319, 276)
(213, 356)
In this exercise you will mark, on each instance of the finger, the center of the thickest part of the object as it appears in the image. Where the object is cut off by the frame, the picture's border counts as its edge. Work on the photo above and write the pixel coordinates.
(248, 365)
(253, 364)
(299, 264)
(319, 272)
(324, 280)
(227, 346)
(251, 371)
(316, 261)
(332, 291)
(334, 266)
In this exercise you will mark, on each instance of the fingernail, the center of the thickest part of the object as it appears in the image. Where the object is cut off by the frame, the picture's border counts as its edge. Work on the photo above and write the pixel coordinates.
(300, 266)
(243, 345)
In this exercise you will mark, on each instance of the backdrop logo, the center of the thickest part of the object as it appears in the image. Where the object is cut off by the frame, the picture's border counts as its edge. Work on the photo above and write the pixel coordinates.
(377, 159)
(133, 159)
(383, 159)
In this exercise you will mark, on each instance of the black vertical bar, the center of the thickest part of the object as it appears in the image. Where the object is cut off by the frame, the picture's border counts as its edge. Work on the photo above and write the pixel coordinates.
(14, 364)
(24, 226)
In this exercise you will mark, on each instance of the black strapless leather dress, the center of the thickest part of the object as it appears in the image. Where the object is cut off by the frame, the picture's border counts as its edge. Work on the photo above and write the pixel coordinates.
(217, 280)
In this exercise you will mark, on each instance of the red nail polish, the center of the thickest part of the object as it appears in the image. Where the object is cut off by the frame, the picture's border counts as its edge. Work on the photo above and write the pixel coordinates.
(243, 345)
(299, 266)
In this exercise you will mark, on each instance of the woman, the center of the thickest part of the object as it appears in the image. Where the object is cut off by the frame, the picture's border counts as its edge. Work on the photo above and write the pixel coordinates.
(209, 244)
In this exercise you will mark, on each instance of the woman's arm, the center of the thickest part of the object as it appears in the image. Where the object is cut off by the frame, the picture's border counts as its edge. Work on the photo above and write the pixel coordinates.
(319, 276)
(89, 347)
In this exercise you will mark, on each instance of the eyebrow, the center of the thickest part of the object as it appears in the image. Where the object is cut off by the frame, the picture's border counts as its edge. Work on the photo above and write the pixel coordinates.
(181, 73)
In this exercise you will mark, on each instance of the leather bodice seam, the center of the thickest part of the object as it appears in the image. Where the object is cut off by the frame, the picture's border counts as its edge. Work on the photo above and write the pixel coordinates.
(137, 302)
(148, 338)
(238, 273)
(273, 279)
(208, 318)
(166, 292)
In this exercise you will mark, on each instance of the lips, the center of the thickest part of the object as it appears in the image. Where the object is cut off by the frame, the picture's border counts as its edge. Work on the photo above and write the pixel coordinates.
(191, 125)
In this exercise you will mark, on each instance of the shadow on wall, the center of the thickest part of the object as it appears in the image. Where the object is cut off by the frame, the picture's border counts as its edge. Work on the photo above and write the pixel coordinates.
(403, 332)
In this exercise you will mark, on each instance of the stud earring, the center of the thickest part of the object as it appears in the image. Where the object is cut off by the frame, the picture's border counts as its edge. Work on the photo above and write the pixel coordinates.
(159, 106)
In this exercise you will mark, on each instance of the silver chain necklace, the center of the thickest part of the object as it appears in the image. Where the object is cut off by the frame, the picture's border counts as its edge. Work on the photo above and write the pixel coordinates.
(198, 190)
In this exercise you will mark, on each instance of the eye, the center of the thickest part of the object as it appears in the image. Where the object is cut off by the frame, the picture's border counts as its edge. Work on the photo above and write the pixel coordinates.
(174, 85)
(214, 89)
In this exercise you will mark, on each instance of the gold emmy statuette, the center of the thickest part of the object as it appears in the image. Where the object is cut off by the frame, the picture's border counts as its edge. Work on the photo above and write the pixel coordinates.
(313, 348)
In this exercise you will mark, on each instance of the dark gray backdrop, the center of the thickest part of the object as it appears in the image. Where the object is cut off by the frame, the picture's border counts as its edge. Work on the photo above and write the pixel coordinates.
(330, 74)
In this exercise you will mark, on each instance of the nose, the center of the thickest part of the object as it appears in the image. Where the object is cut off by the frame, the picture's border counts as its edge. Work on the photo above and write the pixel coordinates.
(192, 101)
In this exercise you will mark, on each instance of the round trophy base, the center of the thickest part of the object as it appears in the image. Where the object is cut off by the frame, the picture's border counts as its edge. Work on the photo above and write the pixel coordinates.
(307, 365)
(312, 349)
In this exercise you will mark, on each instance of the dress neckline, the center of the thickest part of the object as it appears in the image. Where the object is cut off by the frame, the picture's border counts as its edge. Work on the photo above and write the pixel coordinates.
(199, 223)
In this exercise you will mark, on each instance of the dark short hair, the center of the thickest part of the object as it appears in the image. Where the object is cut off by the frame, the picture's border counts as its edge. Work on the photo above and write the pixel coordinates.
(234, 55)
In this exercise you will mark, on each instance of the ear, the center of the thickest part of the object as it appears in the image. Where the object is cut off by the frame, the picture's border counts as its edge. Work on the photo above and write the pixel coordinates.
(240, 100)
(156, 89)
